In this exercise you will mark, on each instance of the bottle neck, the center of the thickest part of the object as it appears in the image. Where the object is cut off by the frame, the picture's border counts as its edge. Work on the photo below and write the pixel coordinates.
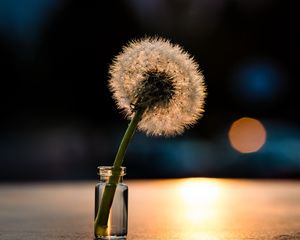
(105, 172)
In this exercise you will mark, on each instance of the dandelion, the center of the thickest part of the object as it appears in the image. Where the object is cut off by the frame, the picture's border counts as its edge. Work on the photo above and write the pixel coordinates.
(161, 90)
(162, 78)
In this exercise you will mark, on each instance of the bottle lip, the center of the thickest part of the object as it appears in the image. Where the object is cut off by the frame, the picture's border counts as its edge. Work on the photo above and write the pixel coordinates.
(106, 171)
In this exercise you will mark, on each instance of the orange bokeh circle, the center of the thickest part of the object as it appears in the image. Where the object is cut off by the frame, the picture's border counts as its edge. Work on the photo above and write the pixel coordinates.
(247, 135)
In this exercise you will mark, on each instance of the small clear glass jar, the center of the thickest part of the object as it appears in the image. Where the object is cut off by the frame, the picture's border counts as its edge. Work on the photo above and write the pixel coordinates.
(118, 216)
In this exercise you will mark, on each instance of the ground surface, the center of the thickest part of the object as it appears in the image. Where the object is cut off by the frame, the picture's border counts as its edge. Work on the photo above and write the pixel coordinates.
(182, 209)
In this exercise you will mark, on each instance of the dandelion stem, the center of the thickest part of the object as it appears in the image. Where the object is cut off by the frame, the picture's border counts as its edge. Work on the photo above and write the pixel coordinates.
(101, 221)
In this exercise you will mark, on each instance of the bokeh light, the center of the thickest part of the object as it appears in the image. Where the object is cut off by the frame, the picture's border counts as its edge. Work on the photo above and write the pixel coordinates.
(259, 81)
(247, 135)
(23, 20)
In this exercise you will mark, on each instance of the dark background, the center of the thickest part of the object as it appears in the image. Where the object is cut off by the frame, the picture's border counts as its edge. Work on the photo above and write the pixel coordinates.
(58, 121)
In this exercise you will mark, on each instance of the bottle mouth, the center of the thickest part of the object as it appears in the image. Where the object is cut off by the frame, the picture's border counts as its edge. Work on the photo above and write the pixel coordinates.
(107, 171)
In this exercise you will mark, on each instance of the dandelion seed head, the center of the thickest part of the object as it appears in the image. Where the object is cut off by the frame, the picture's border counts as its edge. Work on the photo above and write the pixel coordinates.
(156, 90)
(163, 79)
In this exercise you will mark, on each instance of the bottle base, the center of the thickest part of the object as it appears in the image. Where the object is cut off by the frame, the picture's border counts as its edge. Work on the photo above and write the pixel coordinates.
(111, 238)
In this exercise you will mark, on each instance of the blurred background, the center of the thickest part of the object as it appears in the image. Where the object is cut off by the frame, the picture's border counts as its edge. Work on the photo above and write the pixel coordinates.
(58, 121)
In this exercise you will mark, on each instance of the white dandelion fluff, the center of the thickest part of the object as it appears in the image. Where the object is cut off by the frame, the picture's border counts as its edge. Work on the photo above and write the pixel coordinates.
(163, 80)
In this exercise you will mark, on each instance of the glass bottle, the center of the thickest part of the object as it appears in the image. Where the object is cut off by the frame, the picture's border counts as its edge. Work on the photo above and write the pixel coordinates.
(118, 216)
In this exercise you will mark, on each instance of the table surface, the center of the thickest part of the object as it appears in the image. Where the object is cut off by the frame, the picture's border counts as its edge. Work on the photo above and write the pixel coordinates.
(189, 209)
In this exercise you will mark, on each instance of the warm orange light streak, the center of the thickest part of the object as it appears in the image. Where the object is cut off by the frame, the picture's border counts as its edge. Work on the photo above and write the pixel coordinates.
(109, 224)
(247, 135)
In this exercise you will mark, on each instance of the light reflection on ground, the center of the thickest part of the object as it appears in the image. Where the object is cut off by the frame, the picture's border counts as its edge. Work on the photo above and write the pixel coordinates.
(201, 208)
(197, 200)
